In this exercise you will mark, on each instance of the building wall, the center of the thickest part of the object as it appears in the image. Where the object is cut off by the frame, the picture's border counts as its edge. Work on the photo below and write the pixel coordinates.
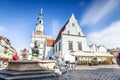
(58, 45)
(2, 45)
(102, 49)
(75, 40)
(73, 27)
(1, 49)
(24, 53)
(75, 35)
(40, 27)
(41, 41)
(95, 48)
(71, 33)
(49, 52)
(44, 51)
(6, 50)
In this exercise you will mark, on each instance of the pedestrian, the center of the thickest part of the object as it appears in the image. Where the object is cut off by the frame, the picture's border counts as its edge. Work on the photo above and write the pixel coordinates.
(50, 58)
(118, 59)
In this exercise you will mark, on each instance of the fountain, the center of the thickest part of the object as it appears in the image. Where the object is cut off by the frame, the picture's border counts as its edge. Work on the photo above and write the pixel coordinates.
(28, 69)
(35, 52)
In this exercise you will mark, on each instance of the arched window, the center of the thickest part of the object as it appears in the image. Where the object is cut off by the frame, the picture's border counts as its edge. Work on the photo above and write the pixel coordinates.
(40, 21)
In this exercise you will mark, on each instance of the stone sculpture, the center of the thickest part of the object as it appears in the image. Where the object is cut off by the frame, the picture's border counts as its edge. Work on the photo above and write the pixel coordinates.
(35, 50)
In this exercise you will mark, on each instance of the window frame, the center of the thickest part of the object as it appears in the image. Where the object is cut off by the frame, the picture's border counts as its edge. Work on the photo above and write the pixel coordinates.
(59, 46)
(79, 46)
(70, 45)
(79, 33)
(68, 32)
(56, 47)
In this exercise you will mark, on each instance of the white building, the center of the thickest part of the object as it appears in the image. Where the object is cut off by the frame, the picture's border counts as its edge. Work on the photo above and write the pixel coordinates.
(69, 44)
(6, 50)
(45, 43)
(95, 48)
(70, 38)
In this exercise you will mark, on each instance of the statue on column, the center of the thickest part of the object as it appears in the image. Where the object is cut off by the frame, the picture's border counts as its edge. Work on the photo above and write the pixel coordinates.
(35, 51)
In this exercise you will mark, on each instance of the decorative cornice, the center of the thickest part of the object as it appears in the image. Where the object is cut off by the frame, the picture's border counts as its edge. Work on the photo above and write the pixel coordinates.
(73, 35)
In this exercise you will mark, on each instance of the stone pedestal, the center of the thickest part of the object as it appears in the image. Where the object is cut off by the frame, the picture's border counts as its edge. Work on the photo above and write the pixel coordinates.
(31, 65)
(24, 65)
(34, 58)
(48, 64)
(28, 70)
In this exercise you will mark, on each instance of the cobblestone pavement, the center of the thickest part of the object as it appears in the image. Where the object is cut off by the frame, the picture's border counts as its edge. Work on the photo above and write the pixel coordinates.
(104, 72)
(99, 74)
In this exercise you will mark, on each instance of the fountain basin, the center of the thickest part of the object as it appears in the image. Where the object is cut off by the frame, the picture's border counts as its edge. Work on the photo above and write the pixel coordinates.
(25, 65)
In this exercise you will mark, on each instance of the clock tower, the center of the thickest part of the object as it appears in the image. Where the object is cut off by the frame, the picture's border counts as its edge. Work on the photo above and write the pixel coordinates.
(39, 25)
(38, 38)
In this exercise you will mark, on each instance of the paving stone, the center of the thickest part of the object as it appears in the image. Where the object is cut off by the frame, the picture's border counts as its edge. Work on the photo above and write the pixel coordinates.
(89, 73)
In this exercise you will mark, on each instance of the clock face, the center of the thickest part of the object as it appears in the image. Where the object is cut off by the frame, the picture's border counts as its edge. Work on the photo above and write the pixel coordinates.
(73, 24)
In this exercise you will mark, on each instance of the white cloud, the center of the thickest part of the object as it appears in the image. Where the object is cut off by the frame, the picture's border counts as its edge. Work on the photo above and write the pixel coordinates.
(98, 11)
(110, 37)
(55, 27)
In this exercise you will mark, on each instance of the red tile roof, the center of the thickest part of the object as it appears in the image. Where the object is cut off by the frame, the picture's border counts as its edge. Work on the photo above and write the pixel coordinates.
(50, 42)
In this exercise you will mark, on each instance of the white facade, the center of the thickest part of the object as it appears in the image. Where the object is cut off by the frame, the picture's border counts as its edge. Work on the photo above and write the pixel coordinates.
(49, 52)
(38, 36)
(6, 50)
(95, 48)
(69, 39)
(71, 32)
(71, 35)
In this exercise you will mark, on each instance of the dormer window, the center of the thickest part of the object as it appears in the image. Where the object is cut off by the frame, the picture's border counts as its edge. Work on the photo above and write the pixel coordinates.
(73, 24)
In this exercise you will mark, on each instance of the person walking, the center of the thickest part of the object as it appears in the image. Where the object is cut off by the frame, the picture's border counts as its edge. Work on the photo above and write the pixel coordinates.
(118, 59)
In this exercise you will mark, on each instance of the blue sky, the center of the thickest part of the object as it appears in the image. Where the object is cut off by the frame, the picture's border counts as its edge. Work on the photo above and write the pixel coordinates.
(99, 19)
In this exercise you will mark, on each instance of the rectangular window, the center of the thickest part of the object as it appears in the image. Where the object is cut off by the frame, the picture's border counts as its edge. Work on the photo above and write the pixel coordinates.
(56, 48)
(70, 45)
(68, 32)
(79, 33)
(59, 46)
(79, 46)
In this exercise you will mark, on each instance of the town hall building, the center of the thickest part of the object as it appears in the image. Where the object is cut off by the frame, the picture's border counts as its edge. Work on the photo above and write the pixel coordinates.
(71, 43)
(44, 43)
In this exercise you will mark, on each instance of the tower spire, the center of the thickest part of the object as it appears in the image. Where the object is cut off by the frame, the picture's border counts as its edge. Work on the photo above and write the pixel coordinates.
(40, 18)
(41, 11)
(39, 25)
